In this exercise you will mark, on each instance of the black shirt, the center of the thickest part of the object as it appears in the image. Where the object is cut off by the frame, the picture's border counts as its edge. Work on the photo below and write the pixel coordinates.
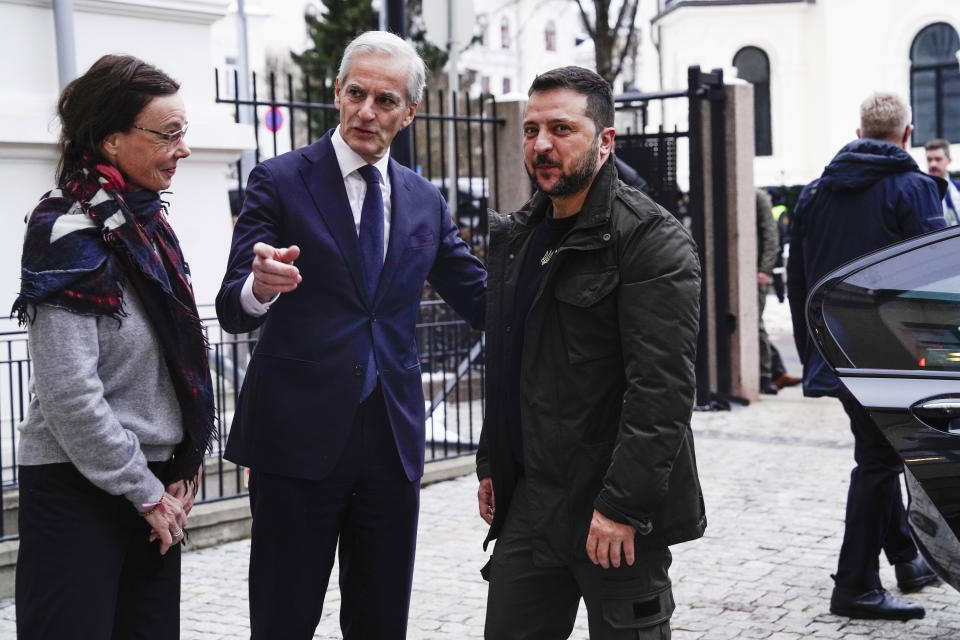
(544, 240)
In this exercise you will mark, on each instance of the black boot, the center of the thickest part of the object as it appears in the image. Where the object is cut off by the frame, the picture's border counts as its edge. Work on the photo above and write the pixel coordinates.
(913, 575)
(767, 386)
(875, 604)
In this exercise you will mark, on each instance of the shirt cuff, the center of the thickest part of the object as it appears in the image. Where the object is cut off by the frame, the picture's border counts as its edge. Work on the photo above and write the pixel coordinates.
(249, 303)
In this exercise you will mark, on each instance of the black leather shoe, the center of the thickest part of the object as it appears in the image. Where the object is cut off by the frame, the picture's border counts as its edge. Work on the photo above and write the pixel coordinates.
(914, 575)
(767, 386)
(876, 604)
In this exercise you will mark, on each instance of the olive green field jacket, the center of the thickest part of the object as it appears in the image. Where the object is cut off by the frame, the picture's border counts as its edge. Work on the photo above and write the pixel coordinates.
(607, 373)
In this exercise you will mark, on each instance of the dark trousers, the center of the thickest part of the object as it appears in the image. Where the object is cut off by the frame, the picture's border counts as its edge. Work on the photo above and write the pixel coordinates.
(86, 569)
(369, 505)
(875, 516)
(530, 602)
(766, 347)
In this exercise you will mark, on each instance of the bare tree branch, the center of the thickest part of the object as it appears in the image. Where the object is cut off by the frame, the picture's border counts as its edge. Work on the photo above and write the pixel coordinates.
(631, 35)
(591, 31)
(606, 38)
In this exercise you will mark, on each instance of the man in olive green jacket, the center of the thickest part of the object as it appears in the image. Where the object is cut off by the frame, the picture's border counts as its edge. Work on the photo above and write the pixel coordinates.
(586, 464)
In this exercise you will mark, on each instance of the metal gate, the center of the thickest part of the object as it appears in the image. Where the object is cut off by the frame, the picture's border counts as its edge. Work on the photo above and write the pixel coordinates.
(654, 157)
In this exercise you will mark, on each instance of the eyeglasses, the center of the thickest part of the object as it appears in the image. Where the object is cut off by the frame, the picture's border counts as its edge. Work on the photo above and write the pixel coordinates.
(172, 139)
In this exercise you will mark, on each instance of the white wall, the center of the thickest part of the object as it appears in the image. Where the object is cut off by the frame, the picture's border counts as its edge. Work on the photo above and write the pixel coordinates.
(173, 35)
(825, 58)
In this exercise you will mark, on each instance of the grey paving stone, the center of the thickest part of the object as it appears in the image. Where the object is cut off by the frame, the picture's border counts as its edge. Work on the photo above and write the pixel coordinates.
(774, 478)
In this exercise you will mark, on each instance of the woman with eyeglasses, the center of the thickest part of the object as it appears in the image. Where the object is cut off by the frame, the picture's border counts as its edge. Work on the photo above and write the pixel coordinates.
(121, 411)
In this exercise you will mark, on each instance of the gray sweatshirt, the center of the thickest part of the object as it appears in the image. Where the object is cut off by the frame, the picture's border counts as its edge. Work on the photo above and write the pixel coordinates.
(101, 398)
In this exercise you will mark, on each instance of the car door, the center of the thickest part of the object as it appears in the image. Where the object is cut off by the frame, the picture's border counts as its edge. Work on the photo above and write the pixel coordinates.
(889, 325)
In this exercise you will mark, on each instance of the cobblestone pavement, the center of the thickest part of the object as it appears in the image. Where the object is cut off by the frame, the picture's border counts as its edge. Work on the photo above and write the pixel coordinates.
(774, 477)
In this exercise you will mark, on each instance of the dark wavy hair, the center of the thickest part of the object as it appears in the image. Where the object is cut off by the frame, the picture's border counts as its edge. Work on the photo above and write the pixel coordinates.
(104, 100)
(585, 82)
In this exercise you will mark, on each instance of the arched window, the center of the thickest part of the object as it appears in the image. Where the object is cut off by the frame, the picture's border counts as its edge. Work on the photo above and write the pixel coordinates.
(753, 66)
(550, 35)
(481, 30)
(935, 84)
(504, 33)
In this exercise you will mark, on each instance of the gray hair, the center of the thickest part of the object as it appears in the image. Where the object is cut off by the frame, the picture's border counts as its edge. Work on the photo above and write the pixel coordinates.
(883, 116)
(387, 44)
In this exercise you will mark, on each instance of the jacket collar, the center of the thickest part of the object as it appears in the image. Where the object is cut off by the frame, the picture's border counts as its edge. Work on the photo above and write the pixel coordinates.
(595, 212)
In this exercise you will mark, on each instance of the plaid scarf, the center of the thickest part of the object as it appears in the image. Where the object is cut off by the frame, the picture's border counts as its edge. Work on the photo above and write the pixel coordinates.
(81, 241)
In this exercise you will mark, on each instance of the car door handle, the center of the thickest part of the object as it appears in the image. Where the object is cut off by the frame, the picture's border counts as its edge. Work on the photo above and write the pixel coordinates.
(943, 414)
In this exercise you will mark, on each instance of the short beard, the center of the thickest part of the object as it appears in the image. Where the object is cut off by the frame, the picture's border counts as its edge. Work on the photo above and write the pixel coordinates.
(577, 180)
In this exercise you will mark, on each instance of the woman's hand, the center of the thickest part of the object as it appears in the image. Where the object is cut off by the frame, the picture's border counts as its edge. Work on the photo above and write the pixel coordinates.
(167, 522)
(186, 490)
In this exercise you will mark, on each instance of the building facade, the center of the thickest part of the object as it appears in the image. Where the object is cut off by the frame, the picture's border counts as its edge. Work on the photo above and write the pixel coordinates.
(172, 34)
(812, 63)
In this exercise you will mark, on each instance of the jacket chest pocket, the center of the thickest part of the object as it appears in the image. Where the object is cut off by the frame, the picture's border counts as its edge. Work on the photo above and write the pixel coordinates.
(587, 309)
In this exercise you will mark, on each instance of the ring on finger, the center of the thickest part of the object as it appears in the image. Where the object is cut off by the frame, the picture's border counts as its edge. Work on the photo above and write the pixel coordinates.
(178, 533)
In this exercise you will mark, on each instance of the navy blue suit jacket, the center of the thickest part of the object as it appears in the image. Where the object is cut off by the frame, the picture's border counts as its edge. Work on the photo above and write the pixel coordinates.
(303, 383)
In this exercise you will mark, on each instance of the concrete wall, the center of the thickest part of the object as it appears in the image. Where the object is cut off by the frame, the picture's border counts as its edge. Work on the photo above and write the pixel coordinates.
(173, 35)
(825, 58)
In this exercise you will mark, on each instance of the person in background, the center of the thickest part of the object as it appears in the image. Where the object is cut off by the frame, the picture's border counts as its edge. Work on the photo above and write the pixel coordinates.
(330, 419)
(121, 411)
(871, 195)
(938, 162)
(586, 461)
(778, 370)
(768, 247)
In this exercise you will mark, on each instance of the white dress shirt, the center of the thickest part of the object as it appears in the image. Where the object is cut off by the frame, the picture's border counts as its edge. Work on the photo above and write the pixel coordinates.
(951, 214)
(356, 187)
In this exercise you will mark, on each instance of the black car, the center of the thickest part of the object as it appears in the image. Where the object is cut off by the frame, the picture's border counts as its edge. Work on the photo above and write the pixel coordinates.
(889, 325)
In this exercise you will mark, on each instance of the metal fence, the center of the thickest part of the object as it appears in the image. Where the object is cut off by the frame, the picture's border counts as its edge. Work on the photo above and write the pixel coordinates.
(450, 144)
(450, 353)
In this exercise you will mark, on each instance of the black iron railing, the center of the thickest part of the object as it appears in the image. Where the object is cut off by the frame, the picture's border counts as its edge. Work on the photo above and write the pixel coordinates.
(451, 361)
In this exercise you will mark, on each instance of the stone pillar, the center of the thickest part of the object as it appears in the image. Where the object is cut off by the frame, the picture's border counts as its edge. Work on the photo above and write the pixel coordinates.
(509, 183)
(742, 240)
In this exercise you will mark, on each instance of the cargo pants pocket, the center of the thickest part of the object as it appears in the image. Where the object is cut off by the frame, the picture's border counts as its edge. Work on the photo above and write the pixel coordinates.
(638, 615)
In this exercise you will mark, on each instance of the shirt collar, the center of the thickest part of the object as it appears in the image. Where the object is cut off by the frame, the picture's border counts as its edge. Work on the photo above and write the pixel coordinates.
(349, 160)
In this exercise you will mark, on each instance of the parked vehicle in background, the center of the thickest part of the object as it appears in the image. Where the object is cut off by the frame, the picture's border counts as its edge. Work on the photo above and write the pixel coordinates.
(473, 197)
(888, 324)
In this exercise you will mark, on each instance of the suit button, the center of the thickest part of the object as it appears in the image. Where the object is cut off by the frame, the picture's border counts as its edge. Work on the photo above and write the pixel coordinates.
(358, 370)
(507, 328)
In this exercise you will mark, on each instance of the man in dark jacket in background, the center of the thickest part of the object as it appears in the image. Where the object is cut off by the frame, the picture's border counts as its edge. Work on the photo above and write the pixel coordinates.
(872, 194)
(586, 463)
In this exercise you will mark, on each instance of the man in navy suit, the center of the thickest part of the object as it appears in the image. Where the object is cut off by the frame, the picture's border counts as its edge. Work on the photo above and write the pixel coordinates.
(938, 160)
(329, 257)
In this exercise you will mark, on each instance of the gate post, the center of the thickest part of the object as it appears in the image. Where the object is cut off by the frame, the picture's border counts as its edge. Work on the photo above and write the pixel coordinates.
(509, 182)
(742, 240)
(723, 213)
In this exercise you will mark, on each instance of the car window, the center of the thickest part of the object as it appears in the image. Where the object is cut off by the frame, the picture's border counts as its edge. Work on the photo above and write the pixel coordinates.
(901, 313)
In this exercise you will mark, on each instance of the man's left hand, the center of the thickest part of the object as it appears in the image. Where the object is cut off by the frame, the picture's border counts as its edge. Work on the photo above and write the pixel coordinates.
(606, 540)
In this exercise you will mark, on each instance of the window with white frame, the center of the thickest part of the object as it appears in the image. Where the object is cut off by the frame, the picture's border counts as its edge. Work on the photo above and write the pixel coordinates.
(935, 84)
(753, 65)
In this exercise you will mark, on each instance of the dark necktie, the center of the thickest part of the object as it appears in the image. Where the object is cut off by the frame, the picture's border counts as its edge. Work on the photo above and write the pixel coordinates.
(371, 230)
(371, 255)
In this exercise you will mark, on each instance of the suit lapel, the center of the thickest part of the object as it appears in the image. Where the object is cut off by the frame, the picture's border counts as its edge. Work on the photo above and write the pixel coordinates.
(400, 224)
(321, 175)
